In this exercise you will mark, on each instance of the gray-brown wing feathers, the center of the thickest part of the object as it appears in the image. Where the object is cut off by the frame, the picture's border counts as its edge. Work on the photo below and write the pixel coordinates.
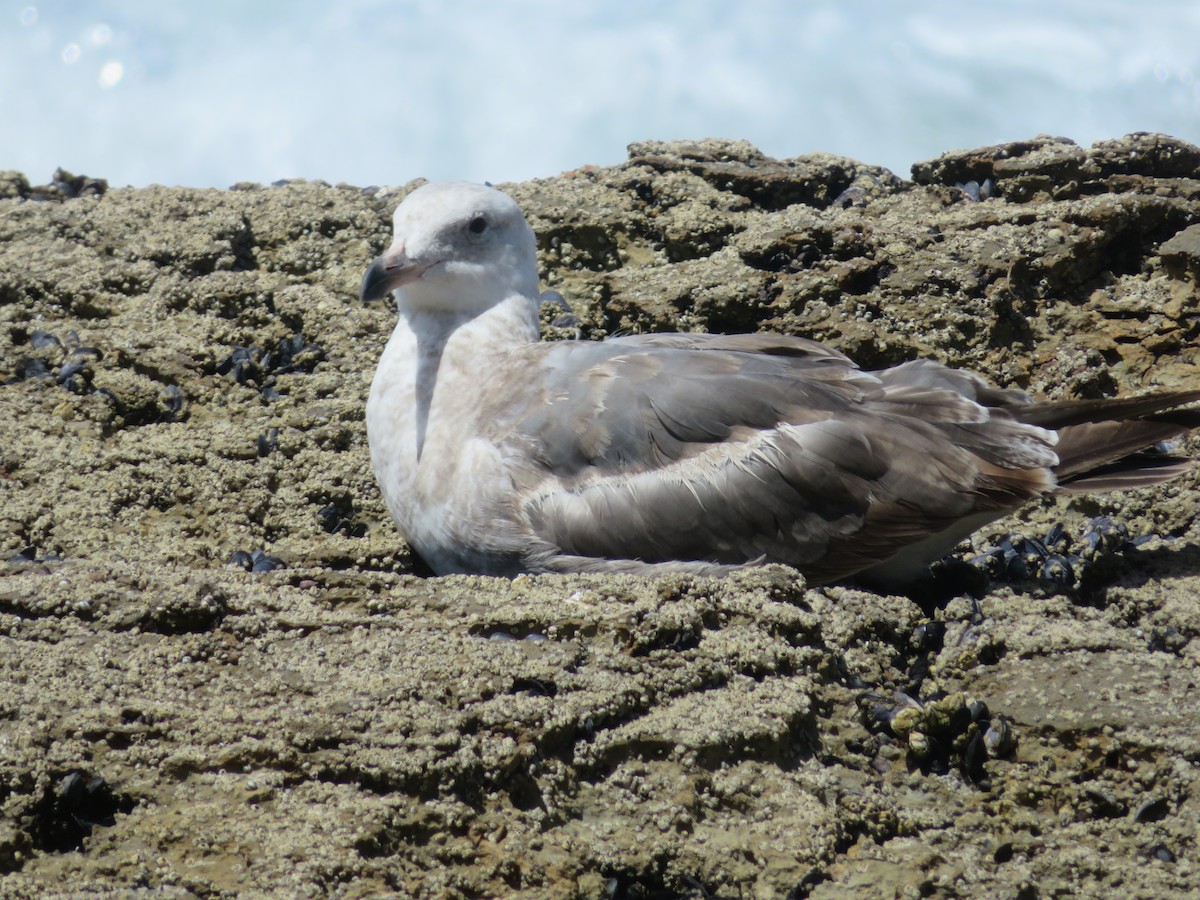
(728, 450)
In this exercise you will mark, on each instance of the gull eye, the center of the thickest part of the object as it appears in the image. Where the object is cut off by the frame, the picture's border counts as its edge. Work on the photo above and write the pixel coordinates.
(478, 225)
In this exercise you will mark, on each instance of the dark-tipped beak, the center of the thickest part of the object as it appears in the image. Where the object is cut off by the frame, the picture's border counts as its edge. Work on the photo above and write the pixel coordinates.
(388, 272)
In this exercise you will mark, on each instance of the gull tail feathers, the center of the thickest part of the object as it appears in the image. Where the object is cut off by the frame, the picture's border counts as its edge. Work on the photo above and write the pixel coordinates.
(1117, 444)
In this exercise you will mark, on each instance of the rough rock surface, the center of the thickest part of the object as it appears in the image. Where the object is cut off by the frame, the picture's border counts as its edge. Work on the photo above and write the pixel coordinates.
(182, 380)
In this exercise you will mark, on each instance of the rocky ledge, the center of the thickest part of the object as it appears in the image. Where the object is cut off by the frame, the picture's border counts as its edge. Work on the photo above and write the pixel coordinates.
(223, 673)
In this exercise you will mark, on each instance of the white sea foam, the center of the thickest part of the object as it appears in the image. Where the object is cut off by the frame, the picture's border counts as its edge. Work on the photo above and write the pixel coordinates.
(369, 91)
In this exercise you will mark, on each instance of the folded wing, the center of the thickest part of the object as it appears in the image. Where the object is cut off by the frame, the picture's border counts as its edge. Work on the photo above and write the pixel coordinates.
(720, 450)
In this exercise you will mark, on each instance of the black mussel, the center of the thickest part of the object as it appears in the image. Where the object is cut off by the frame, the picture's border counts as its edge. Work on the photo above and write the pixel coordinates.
(970, 188)
(1166, 640)
(1152, 810)
(256, 561)
(268, 442)
(928, 636)
(242, 559)
(262, 562)
(1056, 539)
(329, 518)
(1103, 535)
(1162, 853)
(1103, 804)
(992, 563)
(974, 755)
(877, 711)
(1000, 737)
(977, 191)
(71, 808)
(40, 339)
(535, 686)
(241, 364)
(173, 399)
(1057, 570)
(32, 367)
(851, 196)
(70, 369)
(952, 577)
(1017, 567)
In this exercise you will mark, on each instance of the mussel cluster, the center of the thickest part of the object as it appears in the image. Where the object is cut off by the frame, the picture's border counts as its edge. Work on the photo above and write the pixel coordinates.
(66, 186)
(69, 810)
(64, 361)
(1056, 560)
(941, 730)
(257, 366)
(978, 191)
(339, 516)
(256, 561)
(69, 363)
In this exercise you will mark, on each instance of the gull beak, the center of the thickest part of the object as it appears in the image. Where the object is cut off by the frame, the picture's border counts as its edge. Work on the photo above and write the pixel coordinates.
(387, 272)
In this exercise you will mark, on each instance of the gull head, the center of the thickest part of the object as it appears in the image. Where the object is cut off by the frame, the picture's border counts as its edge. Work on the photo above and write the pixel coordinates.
(458, 247)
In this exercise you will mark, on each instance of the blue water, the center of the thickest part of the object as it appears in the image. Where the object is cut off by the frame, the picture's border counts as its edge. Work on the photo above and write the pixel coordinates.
(381, 92)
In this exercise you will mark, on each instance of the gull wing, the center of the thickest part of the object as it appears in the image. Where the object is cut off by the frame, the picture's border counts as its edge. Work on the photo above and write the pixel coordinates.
(704, 450)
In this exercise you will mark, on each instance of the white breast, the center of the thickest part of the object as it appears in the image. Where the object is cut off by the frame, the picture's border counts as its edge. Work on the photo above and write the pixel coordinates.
(445, 483)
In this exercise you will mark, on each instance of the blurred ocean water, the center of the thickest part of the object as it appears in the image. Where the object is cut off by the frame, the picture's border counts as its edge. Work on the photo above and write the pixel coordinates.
(373, 92)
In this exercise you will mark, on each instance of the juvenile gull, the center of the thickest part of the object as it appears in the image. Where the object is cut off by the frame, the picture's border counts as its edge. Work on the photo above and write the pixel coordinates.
(497, 454)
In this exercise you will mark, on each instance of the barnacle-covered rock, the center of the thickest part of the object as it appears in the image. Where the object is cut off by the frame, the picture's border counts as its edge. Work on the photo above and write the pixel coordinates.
(203, 602)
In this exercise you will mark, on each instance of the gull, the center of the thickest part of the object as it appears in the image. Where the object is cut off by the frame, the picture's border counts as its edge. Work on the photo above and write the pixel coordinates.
(499, 454)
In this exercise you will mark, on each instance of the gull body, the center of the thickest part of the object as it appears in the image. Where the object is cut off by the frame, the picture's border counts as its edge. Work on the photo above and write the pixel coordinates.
(498, 454)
